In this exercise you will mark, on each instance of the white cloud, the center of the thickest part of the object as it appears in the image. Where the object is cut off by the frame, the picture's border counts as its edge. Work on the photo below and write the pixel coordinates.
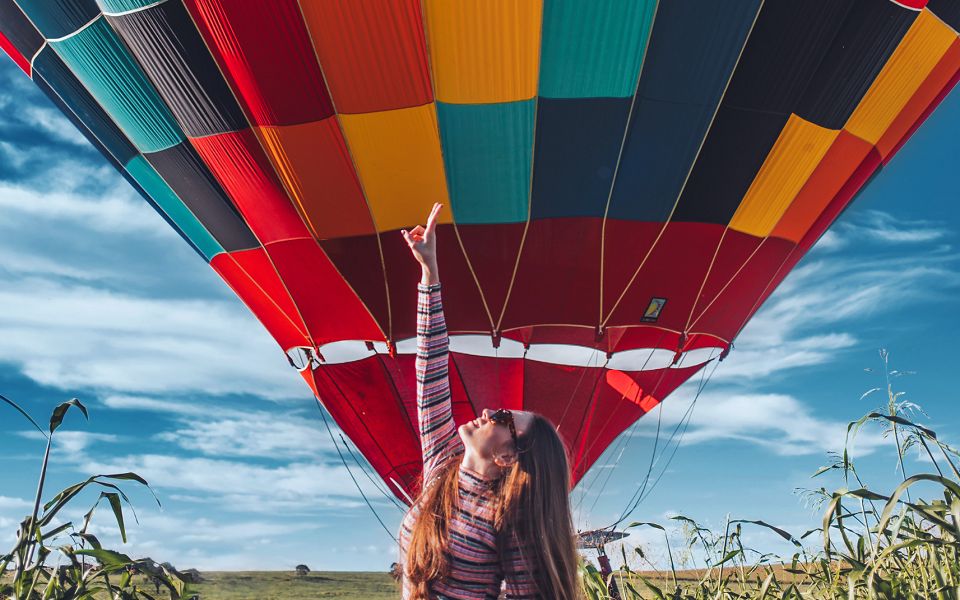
(304, 487)
(173, 407)
(20, 263)
(11, 503)
(217, 430)
(79, 310)
(884, 227)
(803, 323)
(830, 241)
(756, 362)
(76, 336)
(200, 542)
(11, 155)
(113, 210)
(257, 435)
(779, 423)
(71, 442)
(52, 122)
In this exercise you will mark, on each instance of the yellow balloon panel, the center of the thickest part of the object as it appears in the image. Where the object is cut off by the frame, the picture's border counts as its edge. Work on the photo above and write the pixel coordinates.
(797, 152)
(398, 159)
(484, 51)
(915, 57)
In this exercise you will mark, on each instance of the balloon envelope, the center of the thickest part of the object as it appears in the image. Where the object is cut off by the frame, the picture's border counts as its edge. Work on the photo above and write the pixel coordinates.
(624, 182)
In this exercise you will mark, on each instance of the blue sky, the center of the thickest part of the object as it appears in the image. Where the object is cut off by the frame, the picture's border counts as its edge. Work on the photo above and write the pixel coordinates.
(100, 299)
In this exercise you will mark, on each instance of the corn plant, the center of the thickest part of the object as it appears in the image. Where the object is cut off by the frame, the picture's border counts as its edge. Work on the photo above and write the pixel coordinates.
(896, 546)
(91, 571)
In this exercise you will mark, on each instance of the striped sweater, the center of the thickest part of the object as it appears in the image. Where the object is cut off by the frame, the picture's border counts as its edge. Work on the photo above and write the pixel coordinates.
(475, 572)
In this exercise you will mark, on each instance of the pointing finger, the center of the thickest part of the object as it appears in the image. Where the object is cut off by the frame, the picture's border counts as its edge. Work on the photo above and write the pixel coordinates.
(432, 219)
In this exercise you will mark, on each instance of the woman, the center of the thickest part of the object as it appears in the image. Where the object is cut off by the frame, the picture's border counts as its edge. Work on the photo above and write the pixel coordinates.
(494, 507)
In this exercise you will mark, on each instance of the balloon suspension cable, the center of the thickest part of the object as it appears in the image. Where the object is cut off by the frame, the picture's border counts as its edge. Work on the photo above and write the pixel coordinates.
(643, 490)
(323, 415)
(377, 484)
(653, 452)
(622, 442)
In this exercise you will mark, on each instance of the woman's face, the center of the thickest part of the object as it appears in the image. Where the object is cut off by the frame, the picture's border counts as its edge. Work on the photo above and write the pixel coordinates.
(488, 439)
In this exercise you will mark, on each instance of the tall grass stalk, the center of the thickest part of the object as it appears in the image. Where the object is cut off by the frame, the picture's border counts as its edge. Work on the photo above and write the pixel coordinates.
(896, 546)
(110, 575)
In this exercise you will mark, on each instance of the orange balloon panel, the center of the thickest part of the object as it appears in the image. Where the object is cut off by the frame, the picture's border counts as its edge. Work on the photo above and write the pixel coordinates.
(911, 63)
(934, 87)
(795, 155)
(373, 53)
(838, 165)
(315, 167)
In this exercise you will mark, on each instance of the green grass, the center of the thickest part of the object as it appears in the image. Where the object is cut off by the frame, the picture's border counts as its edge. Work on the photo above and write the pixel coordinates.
(286, 585)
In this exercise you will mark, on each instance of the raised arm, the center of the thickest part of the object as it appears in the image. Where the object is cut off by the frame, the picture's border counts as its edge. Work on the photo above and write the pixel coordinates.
(438, 435)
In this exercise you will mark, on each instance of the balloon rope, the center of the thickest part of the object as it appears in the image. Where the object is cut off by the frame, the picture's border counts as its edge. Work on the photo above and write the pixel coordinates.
(323, 415)
(656, 443)
(756, 304)
(610, 468)
(622, 437)
(643, 491)
(639, 494)
(727, 284)
(616, 168)
(686, 423)
(623, 395)
(378, 484)
(659, 380)
(573, 394)
(693, 164)
(653, 461)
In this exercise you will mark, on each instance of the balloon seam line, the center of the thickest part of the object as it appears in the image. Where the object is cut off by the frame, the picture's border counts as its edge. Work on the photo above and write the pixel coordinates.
(264, 292)
(573, 394)
(106, 113)
(246, 116)
(727, 284)
(643, 368)
(589, 411)
(533, 156)
(388, 334)
(616, 169)
(134, 10)
(36, 54)
(453, 219)
(353, 408)
(349, 472)
(398, 399)
(73, 33)
(706, 276)
(693, 165)
(466, 392)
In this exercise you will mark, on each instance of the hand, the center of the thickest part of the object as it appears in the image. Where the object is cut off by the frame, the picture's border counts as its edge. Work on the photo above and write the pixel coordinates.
(423, 240)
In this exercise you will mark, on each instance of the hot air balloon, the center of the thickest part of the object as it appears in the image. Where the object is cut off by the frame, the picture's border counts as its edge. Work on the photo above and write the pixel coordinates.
(624, 181)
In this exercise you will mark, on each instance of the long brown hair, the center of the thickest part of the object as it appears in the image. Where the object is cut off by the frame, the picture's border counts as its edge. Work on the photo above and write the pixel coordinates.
(533, 502)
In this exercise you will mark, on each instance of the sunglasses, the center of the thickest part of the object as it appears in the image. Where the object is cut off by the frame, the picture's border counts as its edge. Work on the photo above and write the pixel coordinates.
(504, 417)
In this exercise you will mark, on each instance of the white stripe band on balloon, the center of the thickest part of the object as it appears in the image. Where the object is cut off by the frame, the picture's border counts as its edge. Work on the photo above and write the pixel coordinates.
(639, 359)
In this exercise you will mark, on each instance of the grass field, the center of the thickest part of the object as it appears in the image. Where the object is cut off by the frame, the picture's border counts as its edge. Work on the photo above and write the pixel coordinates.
(286, 585)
